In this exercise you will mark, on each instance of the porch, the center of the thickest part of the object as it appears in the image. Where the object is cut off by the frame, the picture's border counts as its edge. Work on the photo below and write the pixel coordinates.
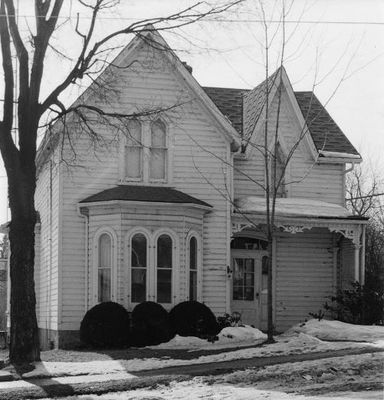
(312, 257)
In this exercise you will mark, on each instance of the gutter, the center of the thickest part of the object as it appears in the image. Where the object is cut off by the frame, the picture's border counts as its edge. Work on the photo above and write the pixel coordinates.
(83, 213)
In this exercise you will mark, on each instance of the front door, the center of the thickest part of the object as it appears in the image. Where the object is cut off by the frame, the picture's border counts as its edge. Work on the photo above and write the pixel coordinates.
(248, 286)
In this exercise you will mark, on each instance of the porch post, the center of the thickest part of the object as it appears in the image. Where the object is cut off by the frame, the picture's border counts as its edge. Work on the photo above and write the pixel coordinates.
(362, 263)
(357, 262)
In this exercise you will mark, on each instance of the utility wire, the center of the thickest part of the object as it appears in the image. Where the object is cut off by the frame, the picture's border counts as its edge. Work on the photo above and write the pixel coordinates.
(272, 21)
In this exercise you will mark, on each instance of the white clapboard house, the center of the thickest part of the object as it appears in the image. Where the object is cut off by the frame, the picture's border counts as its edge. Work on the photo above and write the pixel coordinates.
(173, 208)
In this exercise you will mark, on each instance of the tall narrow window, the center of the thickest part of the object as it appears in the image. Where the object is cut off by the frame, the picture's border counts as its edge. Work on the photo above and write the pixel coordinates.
(104, 268)
(193, 268)
(164, 269)
(139, 268)
(134, 151)
(158, 152)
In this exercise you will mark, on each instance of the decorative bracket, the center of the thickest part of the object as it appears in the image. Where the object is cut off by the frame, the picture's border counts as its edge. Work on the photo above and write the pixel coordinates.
(351, 233)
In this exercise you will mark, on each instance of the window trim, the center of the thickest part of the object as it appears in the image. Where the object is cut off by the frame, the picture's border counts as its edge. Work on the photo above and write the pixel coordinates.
(128, 288)
(198, 264)
(166, 148)
(114, 243)
(146, 140)
(175, 265)
(142, 155)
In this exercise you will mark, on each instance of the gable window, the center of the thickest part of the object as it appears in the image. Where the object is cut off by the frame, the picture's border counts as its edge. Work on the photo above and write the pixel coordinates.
(134, 151)
(158, 152)
(164, 269)
(104, 270)
(139, 268)
(193, 265)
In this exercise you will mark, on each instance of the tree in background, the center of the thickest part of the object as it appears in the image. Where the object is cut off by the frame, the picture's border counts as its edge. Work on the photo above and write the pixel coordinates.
(31, 108)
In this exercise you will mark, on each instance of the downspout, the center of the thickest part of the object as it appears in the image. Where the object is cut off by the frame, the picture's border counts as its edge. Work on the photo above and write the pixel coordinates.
(83, 213)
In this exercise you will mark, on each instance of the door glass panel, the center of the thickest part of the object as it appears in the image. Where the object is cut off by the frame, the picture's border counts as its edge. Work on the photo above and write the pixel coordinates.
(243, 279)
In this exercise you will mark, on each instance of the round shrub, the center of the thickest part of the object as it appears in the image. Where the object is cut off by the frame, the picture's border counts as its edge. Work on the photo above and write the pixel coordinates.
(192, 318)
(105, 325)
(150, 324)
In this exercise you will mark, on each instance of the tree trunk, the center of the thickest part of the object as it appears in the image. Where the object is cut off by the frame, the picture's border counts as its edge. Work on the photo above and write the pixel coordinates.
(270, 327)
(24, 340)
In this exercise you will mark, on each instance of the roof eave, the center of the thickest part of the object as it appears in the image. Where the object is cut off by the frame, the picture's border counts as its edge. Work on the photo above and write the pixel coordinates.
(136, 203)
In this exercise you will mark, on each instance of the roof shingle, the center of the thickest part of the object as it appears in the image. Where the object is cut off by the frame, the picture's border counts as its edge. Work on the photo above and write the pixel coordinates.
(243, 107)
(155, 194)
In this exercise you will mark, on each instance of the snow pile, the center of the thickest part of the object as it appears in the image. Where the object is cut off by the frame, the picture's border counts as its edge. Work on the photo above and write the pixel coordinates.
(240, 336)
(241, 333)
(339, 331)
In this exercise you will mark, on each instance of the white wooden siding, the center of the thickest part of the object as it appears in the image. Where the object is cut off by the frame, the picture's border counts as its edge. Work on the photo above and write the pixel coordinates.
(304, 178)
(194, 170)
(304, 275)
(47, 246)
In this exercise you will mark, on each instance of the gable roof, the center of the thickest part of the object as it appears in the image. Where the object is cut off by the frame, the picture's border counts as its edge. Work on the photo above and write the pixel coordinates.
(247, 105)
(230, 103)
(151, 194)
(325, 133)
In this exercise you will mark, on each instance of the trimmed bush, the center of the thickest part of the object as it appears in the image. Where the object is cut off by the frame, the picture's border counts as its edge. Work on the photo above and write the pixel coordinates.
(150, 324)
(192, 318)
(106, 325)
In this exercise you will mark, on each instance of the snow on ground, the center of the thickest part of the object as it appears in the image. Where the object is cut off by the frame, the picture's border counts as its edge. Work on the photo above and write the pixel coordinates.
(293, 342)
(228, 337)
(195, 389)
(336, 330)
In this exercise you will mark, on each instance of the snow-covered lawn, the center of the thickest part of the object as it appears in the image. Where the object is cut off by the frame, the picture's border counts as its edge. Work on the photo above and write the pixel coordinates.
(303, 338)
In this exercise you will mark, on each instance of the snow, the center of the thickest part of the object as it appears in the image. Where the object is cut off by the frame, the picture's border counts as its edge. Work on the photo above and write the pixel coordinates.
(293, 207)
(336, 154)
(336, 330)
(302, 338)
(228, 337)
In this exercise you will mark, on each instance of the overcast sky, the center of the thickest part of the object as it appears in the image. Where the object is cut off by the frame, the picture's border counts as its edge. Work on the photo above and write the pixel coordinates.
(336, 44)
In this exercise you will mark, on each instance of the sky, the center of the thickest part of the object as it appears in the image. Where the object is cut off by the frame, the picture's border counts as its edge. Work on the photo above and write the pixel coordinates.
(333, 47)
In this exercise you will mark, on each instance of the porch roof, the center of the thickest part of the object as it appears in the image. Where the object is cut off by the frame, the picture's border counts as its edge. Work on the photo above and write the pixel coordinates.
(295, 207)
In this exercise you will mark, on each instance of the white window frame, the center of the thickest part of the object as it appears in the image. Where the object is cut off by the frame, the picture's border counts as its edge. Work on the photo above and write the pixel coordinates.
(112, 234)
(128, 240)
(199, 261)
(175, 266)
(166, 148)
(146, 140)
(142, 158)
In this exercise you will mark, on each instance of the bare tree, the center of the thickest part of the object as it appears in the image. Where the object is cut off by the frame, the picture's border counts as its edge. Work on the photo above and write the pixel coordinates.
(267, 143)
(31, 108)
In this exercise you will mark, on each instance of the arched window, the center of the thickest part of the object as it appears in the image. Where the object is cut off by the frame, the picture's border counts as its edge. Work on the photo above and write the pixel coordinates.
(104, 268)
(134, 151)
(139, 268)
(164, 269)
(193, 268)
(158, 152)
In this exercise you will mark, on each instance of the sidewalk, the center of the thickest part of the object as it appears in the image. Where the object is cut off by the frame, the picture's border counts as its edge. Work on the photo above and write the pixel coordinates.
(120, 381)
